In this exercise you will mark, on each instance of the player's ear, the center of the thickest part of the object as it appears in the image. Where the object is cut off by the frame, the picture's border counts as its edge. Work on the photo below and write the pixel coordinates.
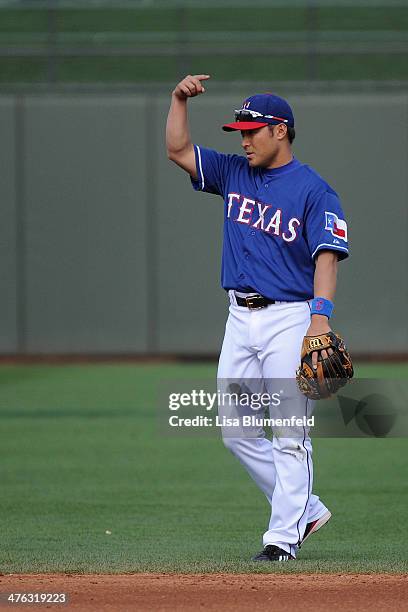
(281, 131)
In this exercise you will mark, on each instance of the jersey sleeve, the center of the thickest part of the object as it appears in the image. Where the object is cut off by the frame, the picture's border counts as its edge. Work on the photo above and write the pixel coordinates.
(212, 170)
(326, 228)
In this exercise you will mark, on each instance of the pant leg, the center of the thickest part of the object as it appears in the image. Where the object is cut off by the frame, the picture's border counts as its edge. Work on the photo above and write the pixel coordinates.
(239, 362)
(293, 503)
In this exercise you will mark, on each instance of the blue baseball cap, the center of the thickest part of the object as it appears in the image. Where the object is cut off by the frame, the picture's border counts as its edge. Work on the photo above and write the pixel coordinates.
(260, 110)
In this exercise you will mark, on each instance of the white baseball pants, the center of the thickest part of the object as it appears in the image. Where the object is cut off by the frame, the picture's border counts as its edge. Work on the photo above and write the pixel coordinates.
(265, 344)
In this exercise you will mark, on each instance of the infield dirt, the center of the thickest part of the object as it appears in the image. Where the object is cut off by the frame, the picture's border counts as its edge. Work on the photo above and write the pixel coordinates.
(214, 592)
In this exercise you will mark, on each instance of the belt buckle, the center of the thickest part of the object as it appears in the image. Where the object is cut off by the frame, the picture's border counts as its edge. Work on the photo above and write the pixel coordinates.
(251, 302)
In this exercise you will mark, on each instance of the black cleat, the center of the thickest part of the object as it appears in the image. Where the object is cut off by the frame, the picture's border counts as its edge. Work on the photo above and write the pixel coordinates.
(272, 553)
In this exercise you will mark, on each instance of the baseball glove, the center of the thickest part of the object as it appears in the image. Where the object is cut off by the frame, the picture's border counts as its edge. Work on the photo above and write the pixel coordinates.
(333, 371)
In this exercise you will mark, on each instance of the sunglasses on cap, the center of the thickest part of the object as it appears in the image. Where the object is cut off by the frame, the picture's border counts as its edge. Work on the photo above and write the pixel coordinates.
(244, 114)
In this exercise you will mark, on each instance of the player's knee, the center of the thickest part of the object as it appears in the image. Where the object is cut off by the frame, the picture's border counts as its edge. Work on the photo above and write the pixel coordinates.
(291, 447)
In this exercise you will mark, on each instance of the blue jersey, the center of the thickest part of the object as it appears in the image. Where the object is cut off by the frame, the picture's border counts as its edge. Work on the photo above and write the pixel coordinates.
(275, 222)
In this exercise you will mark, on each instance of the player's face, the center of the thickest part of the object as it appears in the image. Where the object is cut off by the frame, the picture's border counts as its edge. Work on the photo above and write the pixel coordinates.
(261, 146)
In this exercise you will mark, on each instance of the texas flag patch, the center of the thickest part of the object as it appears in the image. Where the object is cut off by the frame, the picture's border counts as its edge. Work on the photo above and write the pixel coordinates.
(336, 226)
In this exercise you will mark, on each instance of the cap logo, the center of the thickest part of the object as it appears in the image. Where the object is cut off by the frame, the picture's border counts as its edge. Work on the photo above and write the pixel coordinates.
(246, 104)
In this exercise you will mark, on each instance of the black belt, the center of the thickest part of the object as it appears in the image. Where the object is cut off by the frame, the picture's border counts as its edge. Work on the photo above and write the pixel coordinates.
(254, 302)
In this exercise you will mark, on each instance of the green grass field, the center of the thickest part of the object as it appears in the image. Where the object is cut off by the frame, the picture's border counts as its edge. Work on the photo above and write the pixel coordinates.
(203, 29)
(81, 455)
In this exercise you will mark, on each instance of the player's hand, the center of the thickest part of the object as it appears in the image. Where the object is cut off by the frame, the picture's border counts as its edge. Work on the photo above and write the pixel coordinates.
(319, 325)
(190, 86)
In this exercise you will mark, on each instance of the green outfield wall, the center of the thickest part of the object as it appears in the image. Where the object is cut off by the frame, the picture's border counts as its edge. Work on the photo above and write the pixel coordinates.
(105, 248)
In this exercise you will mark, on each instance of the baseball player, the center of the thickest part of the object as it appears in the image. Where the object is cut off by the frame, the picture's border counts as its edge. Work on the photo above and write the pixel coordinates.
(284, 233)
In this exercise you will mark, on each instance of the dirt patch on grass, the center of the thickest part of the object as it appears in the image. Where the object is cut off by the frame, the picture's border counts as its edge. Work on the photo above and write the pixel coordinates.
(214, 592)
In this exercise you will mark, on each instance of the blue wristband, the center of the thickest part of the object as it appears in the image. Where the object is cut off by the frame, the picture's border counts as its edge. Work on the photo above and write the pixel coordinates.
(321, 306)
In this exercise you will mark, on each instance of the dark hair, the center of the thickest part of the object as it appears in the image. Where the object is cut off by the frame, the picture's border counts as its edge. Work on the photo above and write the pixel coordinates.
(290, 132)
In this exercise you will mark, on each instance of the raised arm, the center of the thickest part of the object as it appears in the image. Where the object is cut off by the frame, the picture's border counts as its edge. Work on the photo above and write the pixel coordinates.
(179, 146)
